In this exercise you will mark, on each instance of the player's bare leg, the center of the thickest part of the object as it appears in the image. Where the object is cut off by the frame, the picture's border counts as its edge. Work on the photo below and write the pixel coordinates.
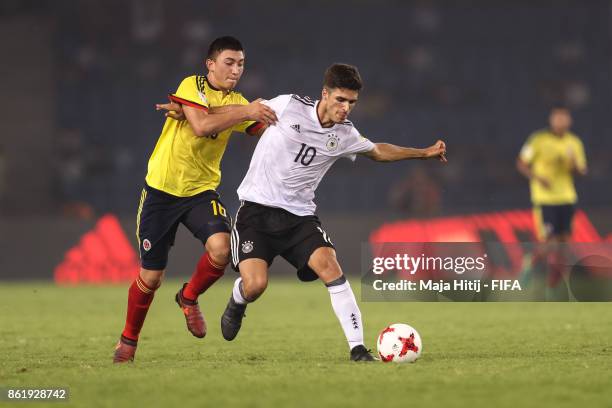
(152, 278)
(558, 259)
(140, 296)
(254, 275)
(209, 269)
(252, 283)
(324, 263)
(535, 261)
(218, 247)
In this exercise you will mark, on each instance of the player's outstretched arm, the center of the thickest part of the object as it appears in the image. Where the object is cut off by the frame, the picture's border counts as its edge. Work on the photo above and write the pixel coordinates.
(385, 152)
(175, 110)
(215, 120)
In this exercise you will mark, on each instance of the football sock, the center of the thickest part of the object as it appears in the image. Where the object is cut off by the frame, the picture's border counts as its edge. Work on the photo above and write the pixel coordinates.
(207, 272)
(346, 309)
(238, 293)
(140, 297)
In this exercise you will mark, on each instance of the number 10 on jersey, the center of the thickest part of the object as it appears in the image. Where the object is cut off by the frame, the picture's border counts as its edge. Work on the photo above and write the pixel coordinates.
(306, 155)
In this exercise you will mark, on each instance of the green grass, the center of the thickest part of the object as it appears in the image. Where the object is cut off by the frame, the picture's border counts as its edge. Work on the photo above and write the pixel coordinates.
(291, 352)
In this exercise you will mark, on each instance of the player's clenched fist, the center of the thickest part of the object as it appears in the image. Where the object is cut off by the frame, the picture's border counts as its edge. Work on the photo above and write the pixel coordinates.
(438, 150)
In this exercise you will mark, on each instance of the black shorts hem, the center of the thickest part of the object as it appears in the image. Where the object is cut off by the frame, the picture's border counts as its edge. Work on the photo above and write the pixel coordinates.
(205, 232)
(154, 265)
(236, 267)
(305, 272)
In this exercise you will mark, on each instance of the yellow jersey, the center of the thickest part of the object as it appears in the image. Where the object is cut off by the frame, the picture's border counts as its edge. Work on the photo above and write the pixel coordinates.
(550, 157)
(183, 164)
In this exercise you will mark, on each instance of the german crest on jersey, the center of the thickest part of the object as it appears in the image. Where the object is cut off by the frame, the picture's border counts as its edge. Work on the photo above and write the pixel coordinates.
(247, 247)
(332, 142)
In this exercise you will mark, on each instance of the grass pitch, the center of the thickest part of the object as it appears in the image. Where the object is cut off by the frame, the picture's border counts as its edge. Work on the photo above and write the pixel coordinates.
(292, 352)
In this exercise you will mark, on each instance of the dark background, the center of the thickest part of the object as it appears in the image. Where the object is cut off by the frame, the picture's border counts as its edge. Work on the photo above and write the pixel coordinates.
(79, 82)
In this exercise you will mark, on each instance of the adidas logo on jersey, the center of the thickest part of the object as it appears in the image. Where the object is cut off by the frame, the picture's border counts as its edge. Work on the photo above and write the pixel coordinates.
(295, 127)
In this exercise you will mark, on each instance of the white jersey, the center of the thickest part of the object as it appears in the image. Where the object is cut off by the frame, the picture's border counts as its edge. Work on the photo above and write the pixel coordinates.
(292, 156)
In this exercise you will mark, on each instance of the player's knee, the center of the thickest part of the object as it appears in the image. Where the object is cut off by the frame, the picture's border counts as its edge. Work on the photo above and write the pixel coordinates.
(328, 269)
(218, 249)
(151, 278)
(254, 287)
(220, 254)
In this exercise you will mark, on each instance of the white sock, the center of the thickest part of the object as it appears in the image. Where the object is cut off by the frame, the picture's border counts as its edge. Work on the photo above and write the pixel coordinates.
(344, 304)
(237, 294)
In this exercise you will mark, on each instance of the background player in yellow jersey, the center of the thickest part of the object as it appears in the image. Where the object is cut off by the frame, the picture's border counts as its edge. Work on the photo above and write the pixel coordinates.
(183, 174)
(549, 159)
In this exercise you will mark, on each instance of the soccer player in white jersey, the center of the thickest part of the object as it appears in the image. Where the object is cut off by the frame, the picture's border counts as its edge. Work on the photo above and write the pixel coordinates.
(277, 213)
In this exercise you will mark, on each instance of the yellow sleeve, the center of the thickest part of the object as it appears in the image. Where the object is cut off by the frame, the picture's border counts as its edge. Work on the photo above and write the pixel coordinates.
(581, 161)
(529, 149)
(188, 93)
(249, 127)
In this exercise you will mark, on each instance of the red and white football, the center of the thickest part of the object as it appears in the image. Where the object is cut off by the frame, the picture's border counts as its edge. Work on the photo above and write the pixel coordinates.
(399, 343)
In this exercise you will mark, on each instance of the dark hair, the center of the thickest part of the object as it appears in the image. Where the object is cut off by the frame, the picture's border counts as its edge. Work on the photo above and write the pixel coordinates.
(222, 44)
(342, 76)
(559, 107)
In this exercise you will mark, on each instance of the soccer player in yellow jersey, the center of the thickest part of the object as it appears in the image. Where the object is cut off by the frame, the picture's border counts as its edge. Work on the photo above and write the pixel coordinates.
(549, 159)
(183, 174)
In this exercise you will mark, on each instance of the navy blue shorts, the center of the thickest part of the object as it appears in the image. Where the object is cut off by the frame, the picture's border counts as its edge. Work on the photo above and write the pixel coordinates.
(159, 215)
(557, 219)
